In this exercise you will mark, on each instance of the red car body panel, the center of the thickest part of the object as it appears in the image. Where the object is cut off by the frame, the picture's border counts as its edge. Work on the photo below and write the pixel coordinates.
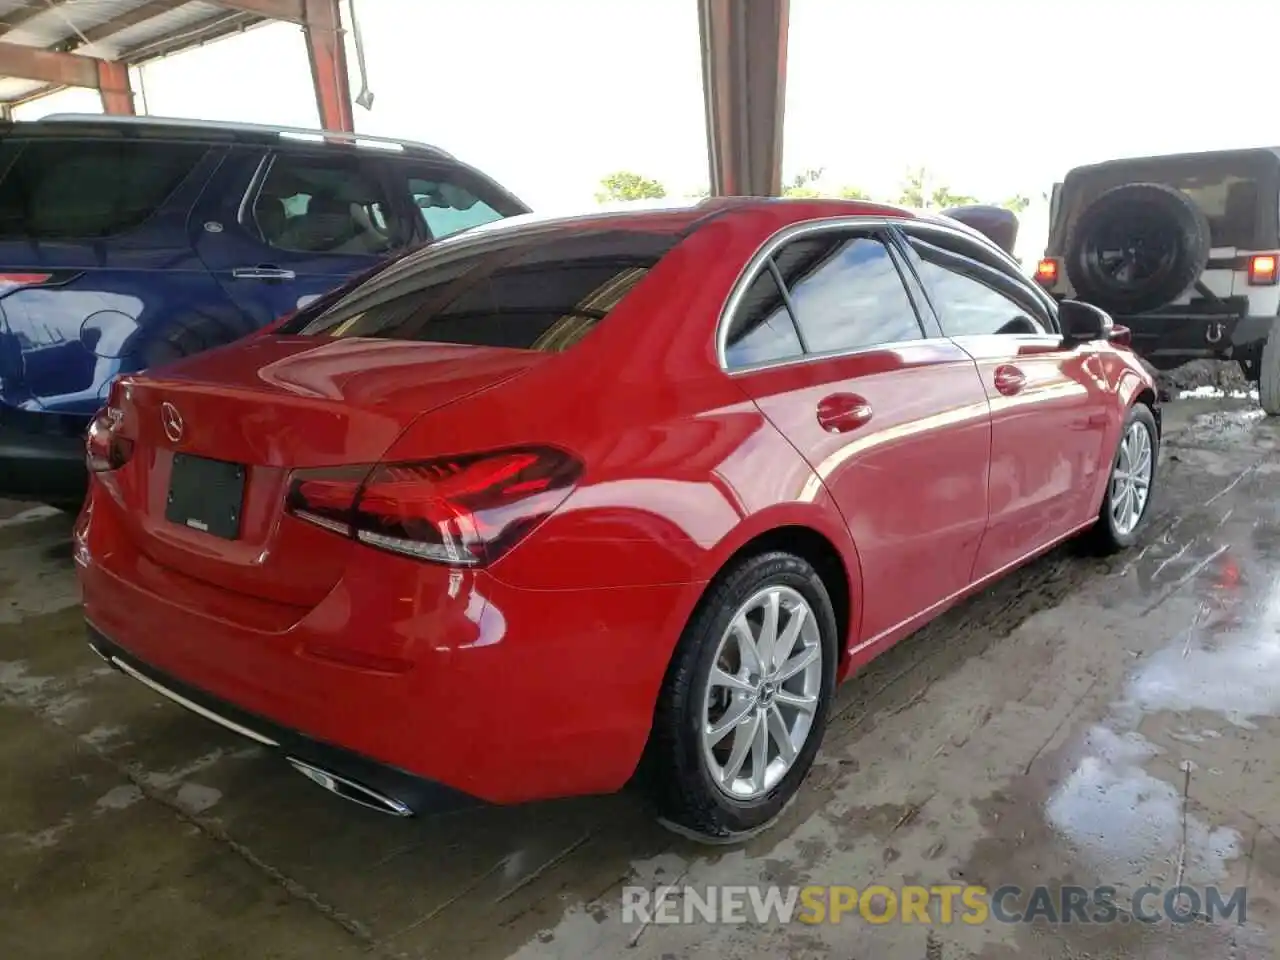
(548, 662)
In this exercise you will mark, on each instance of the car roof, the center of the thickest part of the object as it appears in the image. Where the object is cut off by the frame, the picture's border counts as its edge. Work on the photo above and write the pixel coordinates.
(95, 125)
(1120, 162)
(685, 218)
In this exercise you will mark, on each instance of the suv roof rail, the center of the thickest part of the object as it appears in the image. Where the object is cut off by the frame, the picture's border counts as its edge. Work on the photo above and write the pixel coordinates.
(261, 129)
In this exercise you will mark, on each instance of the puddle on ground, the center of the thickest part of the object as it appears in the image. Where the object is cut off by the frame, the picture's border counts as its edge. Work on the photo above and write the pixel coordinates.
(1128, 821)
(1226, 662)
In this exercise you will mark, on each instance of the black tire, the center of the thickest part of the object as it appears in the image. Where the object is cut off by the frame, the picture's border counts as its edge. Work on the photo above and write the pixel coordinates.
(1103, 537)
(1269, 373)
(1164, 221)
(676, 773)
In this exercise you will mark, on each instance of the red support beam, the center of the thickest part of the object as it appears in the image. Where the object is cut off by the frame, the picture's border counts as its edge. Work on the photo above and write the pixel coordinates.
(115, 88)
(744, 73)
(328, 56)
(291, 10)
(63, 69)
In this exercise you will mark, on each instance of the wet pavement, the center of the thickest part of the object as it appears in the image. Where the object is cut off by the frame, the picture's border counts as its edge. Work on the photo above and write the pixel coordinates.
(1083, 723)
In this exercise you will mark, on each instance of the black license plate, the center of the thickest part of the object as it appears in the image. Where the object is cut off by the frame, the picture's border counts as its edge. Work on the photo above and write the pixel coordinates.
(206, 495)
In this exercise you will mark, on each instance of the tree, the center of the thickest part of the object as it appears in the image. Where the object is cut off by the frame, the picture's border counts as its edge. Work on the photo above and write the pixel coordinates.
(625, 185)
(802, 184)
(921, 190)
(854, 193)
(1017, 203)
(913, 189)
(943, 198)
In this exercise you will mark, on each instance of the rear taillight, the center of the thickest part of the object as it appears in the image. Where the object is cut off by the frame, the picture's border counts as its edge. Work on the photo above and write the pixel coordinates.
(461, 511)
(105, 448)
(1263, 270)
(11, 280)
(1047, 272)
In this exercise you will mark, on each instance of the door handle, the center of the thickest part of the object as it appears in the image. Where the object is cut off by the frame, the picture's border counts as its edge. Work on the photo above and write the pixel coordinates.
(1009, 379)
(841, 412)
(264, 271)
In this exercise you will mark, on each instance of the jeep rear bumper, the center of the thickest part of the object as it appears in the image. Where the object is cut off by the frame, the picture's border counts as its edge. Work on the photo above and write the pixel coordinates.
(1203, 329)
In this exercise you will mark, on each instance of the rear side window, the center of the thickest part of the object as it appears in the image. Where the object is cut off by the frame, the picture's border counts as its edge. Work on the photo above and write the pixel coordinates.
(847, 293)
(448, 207)
(312, 205)
(528, 291)
(65, 190)
(843, 292)
(762, 330)
(1237, 192)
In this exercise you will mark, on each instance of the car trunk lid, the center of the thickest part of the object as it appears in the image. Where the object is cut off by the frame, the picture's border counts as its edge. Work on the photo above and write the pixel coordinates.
(217, 436)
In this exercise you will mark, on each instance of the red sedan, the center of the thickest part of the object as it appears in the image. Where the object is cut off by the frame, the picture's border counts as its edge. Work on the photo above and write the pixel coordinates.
(553, 502)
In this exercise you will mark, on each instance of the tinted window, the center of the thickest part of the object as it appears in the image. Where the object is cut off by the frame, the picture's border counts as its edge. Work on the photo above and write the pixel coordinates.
(83, 189)
(317, 206)
(762, 328)
(1236, 191)
(449, 207)
(847, 292)
(530, 290)
(971, 298)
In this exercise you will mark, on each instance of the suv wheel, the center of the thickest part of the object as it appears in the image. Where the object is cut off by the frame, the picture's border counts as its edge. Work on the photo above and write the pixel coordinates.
(744, 705)
(1268, 374)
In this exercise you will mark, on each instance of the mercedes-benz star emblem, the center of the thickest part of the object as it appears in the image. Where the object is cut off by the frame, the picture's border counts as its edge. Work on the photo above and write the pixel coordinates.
(172, 421)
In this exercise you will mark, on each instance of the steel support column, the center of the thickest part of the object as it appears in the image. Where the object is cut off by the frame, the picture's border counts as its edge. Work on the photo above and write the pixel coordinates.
(115, 89)
(323, 26)
(744, 70)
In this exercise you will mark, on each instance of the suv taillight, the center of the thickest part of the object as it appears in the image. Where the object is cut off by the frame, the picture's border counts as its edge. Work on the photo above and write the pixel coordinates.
(1263, 269)
(104, 447)
(1047, 272)
(460, 511)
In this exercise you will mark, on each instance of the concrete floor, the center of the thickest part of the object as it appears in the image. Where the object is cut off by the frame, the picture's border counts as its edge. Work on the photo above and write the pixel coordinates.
(1084, 722)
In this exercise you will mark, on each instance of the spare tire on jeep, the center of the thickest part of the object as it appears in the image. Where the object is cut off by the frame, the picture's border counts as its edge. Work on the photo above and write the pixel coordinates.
(1137, 247)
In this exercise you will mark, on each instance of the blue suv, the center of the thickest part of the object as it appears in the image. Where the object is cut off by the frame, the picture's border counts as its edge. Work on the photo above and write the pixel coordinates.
(126, 243)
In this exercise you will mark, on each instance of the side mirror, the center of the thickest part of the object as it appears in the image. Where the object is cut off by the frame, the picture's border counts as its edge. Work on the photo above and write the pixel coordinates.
(1083, 322)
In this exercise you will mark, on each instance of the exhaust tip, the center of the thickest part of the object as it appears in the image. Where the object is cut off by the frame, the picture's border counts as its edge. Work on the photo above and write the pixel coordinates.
(349, 790)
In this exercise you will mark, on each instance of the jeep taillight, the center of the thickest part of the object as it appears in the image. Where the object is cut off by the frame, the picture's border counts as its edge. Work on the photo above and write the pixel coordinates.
(1263, 269)
(1047, 272)
(460, 511)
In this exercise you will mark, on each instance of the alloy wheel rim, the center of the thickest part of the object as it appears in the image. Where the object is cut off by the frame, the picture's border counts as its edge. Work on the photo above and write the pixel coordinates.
(1131, 479)
(762, 695)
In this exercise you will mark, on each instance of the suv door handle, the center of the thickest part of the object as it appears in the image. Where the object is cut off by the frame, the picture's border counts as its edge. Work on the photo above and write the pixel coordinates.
(263, 271)
(842, 412)
(1009, 379)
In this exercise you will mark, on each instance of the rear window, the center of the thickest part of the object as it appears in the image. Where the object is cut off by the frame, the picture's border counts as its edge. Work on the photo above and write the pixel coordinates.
(1237, 192)
(62, 189)
(529, 290)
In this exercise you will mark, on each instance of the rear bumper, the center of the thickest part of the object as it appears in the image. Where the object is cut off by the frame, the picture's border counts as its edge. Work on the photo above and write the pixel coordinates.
(41, 457)
(1201, 330)
(408, 793)
(450, 677)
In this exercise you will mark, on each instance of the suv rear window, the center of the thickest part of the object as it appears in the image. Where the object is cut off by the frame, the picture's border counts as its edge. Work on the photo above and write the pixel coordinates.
(529, 290)
(1237, 192)
(65, 189)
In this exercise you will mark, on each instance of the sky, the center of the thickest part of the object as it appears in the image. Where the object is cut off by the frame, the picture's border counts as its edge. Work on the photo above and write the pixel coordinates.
(993, 97)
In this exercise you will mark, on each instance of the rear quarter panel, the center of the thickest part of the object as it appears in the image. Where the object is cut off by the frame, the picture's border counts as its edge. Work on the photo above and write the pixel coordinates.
(682, 468)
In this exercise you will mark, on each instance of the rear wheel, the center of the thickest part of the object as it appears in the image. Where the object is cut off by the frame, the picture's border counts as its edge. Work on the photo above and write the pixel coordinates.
(745, 702)
(1127, 500)
(1269, 373)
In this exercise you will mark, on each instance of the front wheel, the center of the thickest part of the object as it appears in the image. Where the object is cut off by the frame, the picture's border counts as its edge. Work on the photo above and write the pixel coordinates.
(745, 702)
(1127, 499)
